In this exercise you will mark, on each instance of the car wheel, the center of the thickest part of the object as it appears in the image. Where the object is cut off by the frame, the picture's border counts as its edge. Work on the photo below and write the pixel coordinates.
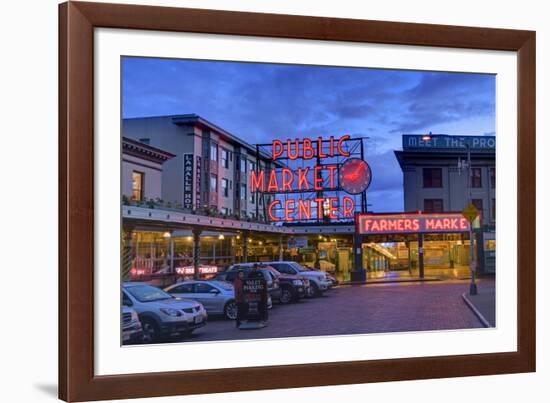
(230, 310)
(151, 332)
(286, 296)
(315, 290)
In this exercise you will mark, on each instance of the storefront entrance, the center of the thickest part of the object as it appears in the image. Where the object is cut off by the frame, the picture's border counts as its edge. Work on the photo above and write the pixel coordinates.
(445, 256)
(415, 245)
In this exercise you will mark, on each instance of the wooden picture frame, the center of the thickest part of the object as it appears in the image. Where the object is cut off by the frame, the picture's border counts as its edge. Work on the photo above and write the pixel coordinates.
(77, 21)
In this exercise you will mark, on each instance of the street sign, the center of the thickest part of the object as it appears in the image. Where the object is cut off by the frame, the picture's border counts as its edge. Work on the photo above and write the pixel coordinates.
(470, 212)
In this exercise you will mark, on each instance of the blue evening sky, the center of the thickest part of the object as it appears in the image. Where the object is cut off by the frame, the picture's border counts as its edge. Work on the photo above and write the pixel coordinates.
(260, 102)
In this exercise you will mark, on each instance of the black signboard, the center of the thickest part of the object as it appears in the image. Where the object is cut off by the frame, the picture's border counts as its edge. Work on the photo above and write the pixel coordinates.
(255, 297)
(188, 181)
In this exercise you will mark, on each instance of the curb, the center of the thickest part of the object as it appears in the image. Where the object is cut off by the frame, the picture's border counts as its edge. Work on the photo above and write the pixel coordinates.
(481, 318)
(373, 282)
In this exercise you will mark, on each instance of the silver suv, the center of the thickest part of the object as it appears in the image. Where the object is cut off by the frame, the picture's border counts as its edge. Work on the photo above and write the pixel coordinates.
(318, 280)
(162, 315)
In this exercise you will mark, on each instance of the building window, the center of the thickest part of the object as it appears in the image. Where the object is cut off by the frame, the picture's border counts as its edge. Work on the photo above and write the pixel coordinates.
(492, 177)
(225, 187)
(213, 152)
(478, 204)
(252, 166)
(243, 165)
(243, 192)
(214, 183)
(476, 177)
(224, 211)
(225, 158)
(432, 177)
(251, 198)
(433, 205)
(494, 209)
(137, 185)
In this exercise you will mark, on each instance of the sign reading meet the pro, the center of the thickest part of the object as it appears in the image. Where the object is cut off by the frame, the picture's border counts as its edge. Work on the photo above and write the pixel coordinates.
(442, 142)
(372, 224)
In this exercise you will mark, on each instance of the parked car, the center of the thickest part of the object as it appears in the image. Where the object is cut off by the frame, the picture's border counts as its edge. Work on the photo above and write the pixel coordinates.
(318, 280)
(131, 326)
(217, 297)
(293, 287)
(162, 315)
(273, 284)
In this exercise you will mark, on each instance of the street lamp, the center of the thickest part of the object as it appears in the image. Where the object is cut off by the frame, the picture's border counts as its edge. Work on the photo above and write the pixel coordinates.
(473, 285)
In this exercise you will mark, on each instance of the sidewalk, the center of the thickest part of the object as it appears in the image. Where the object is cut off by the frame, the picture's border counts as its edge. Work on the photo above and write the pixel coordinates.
(483, 304)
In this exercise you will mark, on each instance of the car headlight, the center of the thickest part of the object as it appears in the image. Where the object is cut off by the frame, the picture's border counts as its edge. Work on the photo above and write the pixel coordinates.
(134, 316)
(170, 312)
(297, 282)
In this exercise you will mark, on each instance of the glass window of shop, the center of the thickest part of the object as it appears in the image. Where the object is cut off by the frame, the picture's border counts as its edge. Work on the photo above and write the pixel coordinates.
(213, 183)
(137, 185)
(243, 165)
(217, 252)
(225, 187)
(225, 158)
(213, 152)
(432, 177)
(445, 256)
(476, 178)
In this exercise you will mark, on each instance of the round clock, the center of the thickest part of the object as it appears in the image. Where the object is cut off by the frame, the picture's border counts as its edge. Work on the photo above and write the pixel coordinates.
(355, 176)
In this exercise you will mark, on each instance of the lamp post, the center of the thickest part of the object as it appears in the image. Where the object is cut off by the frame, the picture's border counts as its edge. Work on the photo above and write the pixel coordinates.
(473, 285)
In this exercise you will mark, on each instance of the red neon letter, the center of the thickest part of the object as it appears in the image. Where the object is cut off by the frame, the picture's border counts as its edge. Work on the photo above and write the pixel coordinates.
(272, 216)
(296, 149)
(272, 185)
(333, 208)
(318, 179)
(257, 181)
(319, 201)
(288, 178)
(304, 209)
(289, 210)
(332, 170)
(308, 152)
(340, 141)
(277, 149)
(302, 179)
(349, 206)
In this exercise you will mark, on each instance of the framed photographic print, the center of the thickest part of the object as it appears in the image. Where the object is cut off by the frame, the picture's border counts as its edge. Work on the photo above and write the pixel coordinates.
(257, 201)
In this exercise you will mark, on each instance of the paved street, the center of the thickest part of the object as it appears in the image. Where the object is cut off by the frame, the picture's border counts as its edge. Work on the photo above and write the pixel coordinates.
(360, 309)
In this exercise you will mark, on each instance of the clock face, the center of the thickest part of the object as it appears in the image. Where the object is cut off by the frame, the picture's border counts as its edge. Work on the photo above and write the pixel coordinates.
(355, 176)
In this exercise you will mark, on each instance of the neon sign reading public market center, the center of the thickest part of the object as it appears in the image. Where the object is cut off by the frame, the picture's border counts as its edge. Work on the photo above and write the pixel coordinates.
(353, 176)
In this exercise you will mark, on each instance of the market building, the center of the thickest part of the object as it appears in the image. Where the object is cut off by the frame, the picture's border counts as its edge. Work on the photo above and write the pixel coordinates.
(217, 201)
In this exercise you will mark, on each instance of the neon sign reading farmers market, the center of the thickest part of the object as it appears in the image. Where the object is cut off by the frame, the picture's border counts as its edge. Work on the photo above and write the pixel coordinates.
(372, 224)
(352, 175)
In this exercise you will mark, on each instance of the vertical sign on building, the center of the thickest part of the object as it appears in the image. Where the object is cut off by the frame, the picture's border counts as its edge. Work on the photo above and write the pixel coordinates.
(198, 182)
(188, 181)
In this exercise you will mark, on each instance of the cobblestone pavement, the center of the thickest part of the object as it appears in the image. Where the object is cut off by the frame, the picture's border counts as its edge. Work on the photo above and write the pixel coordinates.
(360, 309)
